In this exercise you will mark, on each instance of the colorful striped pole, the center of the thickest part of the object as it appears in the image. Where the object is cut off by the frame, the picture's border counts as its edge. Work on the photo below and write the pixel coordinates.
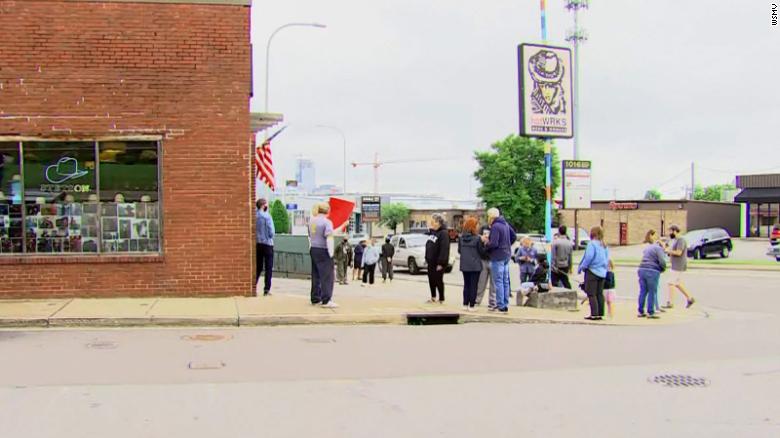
(547, 167)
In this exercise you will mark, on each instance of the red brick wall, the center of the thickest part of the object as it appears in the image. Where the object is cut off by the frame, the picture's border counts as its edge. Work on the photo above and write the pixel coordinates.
(84, 70)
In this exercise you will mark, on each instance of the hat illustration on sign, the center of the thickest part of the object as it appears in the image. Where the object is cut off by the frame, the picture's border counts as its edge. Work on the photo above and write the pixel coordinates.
(545, 66)
(66, 169)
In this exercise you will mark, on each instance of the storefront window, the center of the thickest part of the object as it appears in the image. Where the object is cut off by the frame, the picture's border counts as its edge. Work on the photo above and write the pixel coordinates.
(11, 219)
(79, 197)
(128, 195)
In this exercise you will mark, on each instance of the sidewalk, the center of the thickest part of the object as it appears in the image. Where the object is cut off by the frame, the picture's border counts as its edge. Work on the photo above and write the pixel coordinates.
(289, 305)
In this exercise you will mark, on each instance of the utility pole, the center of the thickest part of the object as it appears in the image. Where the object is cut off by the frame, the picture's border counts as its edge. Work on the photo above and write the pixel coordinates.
(693, 180)
(576, 36)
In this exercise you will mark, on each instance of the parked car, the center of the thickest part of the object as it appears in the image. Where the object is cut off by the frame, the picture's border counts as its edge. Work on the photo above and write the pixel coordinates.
(410, 253)
(711, 241)
(583, 238)
(775, 236)
(539, 242)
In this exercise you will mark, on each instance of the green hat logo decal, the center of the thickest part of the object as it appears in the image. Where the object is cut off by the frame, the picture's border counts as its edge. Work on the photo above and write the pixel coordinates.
(66, 169)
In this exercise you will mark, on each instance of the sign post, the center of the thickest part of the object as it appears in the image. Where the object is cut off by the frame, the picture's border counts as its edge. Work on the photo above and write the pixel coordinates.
(546, 106)
(370, 210)
(576, 190)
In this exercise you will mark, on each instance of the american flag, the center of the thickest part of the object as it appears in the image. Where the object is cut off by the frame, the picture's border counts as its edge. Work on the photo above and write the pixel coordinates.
(264, 163)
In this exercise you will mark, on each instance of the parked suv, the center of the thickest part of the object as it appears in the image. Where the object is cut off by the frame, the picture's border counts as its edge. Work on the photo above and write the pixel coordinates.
(711, 241)
(410, 252)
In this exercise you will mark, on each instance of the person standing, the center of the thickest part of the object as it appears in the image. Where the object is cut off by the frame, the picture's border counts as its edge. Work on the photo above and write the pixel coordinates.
(561, 256)
(486, 276)
(437, 256)
(343, 257)
(264, 254)
(470, 248)
(320, 230)
(526, 258)
(499, 248)
(650, 268)
(594, 264)
(388, 251)
(678, 254)
(371, 256)
(357, 265)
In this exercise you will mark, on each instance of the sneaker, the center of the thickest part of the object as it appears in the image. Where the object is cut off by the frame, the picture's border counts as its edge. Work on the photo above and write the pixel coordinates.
(504, 310)
(267, 293)
(465, 308)
(690, 303)
(441, 301)
(653, 317)
(472, 309)
(330, 305)
(362, 285)
(642, 315)
(492, 309)
(661, 310)
(431, 301)
(668, 306)
(315, 303)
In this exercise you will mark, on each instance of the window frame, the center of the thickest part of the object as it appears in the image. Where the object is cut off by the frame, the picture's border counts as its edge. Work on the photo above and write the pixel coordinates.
(20, 140)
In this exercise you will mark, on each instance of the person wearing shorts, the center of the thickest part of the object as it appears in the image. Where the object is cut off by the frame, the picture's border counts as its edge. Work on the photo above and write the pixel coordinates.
(678, 254)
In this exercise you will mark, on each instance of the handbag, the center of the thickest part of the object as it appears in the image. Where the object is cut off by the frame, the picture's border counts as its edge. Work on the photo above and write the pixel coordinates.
(609, 281)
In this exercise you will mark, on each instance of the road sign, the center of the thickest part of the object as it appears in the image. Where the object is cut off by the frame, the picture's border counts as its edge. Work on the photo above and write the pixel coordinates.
(576, 184)
(546, 106)
(291, 207)
(371, 208)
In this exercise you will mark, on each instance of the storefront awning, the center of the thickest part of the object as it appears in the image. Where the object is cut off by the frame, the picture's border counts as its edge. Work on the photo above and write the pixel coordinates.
(262, 121)
(759, 196)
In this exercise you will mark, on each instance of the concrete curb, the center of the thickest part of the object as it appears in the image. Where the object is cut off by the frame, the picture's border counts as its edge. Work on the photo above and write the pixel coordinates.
(748, 268)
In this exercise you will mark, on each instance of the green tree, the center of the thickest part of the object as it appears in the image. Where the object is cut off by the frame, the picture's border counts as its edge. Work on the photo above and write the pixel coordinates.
(280, 217)
(711, 193)
(394, 214)
(653, 195)
(512, 179)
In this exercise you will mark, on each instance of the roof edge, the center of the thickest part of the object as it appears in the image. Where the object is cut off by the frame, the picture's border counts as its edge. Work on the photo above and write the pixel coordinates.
(171, 2)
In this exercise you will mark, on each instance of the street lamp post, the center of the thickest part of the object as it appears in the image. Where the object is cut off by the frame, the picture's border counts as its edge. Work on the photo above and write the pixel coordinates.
(344, 140)
(268, 51)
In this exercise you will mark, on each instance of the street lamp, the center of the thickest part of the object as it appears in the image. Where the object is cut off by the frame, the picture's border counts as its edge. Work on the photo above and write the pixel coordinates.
(268, 51)
(344, 139)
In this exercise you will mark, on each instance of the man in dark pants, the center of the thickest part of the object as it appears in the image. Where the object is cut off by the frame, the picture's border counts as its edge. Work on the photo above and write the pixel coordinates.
(561, 259)
(320, 230)
(264, 229)
(386, 262)
(437, 256)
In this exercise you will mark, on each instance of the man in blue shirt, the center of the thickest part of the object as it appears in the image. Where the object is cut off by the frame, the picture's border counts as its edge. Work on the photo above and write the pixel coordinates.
(265, 232)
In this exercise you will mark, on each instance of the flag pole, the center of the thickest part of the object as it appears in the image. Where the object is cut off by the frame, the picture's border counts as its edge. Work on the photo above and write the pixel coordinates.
(547, 166)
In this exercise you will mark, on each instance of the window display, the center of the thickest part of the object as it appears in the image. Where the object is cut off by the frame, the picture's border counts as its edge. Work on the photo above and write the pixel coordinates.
(79, 197)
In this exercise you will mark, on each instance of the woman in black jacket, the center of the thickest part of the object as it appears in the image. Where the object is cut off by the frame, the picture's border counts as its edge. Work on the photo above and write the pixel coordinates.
(471, 250)
(437, 256)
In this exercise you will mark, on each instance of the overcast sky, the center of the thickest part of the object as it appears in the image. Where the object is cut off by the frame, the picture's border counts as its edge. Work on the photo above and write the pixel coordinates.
(663, 83)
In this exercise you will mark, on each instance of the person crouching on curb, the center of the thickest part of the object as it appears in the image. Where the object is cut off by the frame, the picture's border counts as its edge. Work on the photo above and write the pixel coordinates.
(370, 258)
(594, 264)
(320, 230)
(650, 268)
(471, 248)
(539, 282)
(437, 256)
(343, 258)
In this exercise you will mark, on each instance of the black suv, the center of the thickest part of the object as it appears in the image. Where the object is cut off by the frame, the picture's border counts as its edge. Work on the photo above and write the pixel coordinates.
(702, 243)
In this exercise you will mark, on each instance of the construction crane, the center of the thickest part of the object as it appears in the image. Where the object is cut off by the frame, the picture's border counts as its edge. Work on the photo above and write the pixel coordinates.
(376, 164)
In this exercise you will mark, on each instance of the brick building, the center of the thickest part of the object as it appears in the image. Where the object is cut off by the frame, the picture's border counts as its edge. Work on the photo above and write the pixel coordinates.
(125, 148)
(626, 222)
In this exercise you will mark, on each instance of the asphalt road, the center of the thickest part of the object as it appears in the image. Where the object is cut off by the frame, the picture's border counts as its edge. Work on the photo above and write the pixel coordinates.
(389, 381)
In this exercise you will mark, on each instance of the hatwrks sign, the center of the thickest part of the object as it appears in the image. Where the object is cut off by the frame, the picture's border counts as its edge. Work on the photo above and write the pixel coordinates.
(545, 91)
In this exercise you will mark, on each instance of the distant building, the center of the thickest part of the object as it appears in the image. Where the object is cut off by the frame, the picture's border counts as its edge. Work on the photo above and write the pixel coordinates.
(304, 175)
(761, 196)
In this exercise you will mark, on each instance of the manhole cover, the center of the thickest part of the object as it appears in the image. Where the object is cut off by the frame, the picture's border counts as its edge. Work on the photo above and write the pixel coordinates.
(319, 340)
(102, 345)
(679, 381)
(207, 365)
(206, 338)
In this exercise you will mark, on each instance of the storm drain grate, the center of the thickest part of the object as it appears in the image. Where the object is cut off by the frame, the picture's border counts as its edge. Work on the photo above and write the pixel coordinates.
(102, 345)
(319, 340)
(206, 338)
(432, 318)
(679, 381)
